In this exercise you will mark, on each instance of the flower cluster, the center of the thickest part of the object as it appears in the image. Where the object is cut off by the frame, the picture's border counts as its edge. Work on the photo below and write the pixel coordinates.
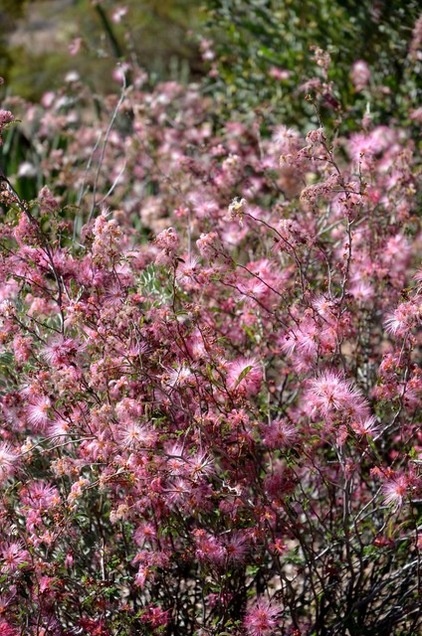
(210, 391)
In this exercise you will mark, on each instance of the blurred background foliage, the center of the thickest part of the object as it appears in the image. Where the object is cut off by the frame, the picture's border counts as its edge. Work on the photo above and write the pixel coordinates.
(10, 12)
(46, 44)
(261, 47)
(37, 35)
(251, 56)
(262, 54)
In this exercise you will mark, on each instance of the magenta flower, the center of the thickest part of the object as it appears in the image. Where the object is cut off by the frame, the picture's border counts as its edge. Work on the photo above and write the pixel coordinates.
(331, 396)
(360, 75)
(13, 556)
(7, 630)
(8, 460)
(244, 376)
(208, 548)
(279, 434)
(405, 316)
(261, 619)
(6, 117)
(199, 415)
(395, 490)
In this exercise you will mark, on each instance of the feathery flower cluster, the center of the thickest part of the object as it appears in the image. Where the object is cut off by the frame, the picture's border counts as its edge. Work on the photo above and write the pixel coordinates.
(200, 396)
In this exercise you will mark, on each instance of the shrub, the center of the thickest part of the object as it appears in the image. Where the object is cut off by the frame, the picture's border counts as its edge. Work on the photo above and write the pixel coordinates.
(210, 388)
(258, 54)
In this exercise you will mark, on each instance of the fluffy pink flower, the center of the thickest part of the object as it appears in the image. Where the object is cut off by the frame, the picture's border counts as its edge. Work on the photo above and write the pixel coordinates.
(38, 413)
(395, 257)
(360, 75)
(244, 376)
(168, 240)
(188, 271)
(145, 532)
(208, 547)
(60, 351)
(330, 396)
(181, 376)
(6, 117)
(200, 465)
(8, 458)
(39, 495)
(135, 435)
(13, 556)
(47, 201)
(261, 619)
(208, 244)
(266, 280)
(7, 630)
(395, 490)
(156, 616)
(22, 348)
(363, 147)
(236, 547)
(279, 434)
(60, 428)
(367, 427)
(406, 316)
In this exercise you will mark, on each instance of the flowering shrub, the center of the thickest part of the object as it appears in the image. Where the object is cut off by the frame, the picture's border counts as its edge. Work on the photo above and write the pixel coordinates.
(257, 53)
(210, 391)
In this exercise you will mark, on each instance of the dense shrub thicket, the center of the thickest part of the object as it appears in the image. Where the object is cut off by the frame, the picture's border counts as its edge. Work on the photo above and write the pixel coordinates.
(210, 370)
(258, 55)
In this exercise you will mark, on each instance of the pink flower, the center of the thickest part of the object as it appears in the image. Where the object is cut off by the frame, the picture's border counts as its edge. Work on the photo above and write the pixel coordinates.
(134, 435)
(261, 619)
(168, 240)
(47, 200)
(181, 376)
(119, 13)
(416, 115)
(188, 270)
(75, 46)
(395, 490)
(244, 376)
(367, 427)
(236, 547)
(279, 434)
(145, 532)
(8, 458)
(13, 557)
(415, 47)
(206, 48)
(200, 465)
(156, 616)
(208, 244)
(6, 629)
(60, 351)
(406, 316)
(60, 428)
(208, 547)
(142, 575)
(280, 74)
(38, 413)
(40, 496)
(46, 583)
(360, 75)
(364, 146)
(22, 348)
(6, 117)
(331, 396)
